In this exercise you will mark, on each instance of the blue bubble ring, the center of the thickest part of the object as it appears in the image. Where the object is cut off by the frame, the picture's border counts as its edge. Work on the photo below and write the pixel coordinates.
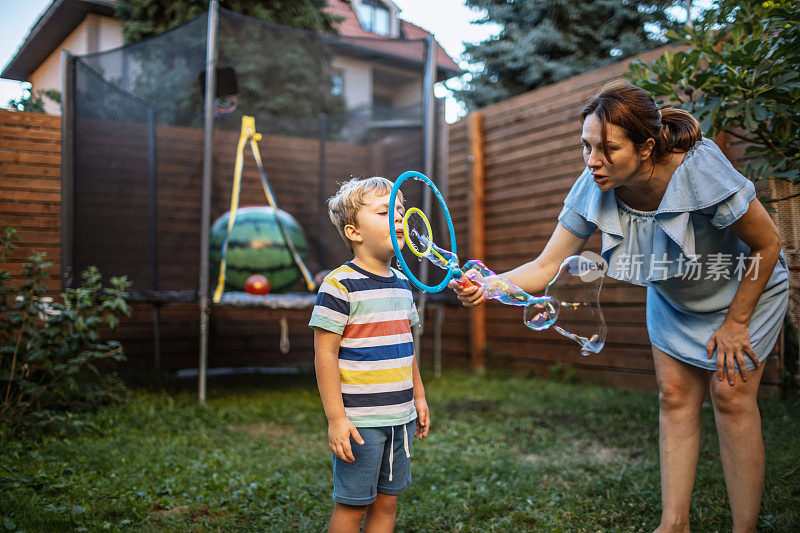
(400, 259)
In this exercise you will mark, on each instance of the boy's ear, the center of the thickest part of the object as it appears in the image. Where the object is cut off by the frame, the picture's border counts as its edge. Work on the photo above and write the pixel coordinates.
(352, 233)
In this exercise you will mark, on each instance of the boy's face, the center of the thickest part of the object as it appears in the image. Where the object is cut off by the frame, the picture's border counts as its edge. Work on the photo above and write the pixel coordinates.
(372, 225)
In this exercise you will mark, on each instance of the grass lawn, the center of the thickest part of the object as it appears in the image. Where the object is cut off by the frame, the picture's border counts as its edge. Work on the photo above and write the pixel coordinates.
(504, 454)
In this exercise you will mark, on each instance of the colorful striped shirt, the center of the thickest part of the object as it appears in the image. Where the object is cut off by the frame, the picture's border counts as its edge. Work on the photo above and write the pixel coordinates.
(374, 315)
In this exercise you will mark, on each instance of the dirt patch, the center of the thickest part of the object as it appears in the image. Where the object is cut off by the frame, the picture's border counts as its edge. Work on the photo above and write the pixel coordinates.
(185, 511)
(471, 406)
(556, 420)
(531, 457)
(264, 431)
(162, 513)
(604, 455)
(582, 450)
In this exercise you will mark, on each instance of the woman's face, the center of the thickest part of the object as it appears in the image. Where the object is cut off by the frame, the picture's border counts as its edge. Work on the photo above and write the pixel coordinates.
(627, 160)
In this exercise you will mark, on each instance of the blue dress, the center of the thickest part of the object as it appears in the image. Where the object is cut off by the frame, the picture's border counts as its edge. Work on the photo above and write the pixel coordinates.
(685, 253)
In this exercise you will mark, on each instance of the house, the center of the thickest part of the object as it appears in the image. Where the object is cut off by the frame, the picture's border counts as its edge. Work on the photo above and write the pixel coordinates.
(387, 78)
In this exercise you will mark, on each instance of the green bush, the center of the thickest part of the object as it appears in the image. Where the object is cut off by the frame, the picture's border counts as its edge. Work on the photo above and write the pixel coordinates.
(34, 101)
(50, 350)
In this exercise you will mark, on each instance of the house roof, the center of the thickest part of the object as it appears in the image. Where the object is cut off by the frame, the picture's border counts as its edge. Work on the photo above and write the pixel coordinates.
(62, 16)
(350, 26)
(54, 25)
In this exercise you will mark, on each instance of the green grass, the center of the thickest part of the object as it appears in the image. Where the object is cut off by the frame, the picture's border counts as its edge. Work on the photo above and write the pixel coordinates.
(504, 454)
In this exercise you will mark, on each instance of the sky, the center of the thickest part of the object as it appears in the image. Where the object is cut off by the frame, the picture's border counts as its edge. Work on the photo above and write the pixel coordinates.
(449, 20)
(16, 19)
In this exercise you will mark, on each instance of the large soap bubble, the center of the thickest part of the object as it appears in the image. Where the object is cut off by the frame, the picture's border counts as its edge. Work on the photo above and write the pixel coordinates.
(577, 289)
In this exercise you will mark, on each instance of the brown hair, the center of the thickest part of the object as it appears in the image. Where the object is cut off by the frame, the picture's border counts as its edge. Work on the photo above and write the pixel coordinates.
(632, 108)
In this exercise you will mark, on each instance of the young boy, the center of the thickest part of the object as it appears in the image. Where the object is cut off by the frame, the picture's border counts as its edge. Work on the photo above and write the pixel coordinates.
(367, 373)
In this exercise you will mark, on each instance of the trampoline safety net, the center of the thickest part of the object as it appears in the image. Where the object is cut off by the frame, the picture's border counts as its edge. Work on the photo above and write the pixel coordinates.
(138, 141)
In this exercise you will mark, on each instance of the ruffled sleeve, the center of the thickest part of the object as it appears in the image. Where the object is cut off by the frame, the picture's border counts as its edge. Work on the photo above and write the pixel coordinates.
(734, 207)
(587, 208)
(708, 182)
(575, 223)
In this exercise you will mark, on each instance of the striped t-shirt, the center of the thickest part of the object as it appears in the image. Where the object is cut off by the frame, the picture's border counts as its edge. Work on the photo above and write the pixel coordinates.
(374, 315)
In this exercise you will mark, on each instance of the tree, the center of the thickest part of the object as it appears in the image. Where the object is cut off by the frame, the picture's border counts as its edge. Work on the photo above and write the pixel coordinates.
(544, 41)
(145, 18)
(280, 72)
(739, 76)
(34, 100)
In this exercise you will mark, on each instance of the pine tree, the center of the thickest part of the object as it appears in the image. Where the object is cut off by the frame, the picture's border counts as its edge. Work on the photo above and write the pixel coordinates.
(544, 41)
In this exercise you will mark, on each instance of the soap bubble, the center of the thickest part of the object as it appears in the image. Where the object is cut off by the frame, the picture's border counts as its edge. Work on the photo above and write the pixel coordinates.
(577, 289)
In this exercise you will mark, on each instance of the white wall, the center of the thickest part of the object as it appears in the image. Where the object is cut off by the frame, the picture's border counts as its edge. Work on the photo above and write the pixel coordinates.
(95, 34)
(357, 81)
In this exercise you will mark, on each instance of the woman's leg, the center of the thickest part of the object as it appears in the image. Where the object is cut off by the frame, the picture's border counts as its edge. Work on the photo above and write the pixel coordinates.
(681, 389)
(741, 445)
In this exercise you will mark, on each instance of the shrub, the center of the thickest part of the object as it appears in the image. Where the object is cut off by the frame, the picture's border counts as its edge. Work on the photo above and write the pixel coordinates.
(50, 350)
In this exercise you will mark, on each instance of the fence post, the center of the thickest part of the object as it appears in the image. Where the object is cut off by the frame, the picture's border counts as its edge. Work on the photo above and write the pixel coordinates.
(477, 316)
(67, 168)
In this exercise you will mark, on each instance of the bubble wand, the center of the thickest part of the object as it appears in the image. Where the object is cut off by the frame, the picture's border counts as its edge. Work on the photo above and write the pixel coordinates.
(541, 312)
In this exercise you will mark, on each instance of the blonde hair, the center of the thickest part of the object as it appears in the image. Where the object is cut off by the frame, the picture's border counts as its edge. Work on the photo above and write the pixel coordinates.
(344, 205)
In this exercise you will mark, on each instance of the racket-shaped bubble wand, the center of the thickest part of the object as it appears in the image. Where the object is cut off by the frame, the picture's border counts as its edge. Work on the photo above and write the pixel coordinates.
(541, 312)
(418, 236)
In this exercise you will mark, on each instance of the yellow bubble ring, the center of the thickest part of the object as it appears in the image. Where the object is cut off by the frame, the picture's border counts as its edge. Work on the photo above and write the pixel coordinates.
(408, 238)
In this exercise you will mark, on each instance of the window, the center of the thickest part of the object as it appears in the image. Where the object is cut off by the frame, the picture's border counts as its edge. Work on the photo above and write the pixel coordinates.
(337, 83)
(374, 16)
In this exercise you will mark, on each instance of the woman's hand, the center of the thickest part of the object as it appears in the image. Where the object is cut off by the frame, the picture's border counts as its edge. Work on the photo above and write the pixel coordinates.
(732, 342)
(470, 295)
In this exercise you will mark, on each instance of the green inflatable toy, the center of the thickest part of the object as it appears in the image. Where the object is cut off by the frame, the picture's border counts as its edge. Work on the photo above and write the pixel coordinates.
(256, 246)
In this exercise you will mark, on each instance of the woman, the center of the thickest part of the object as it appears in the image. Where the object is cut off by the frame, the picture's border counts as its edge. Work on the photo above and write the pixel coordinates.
(676, 217)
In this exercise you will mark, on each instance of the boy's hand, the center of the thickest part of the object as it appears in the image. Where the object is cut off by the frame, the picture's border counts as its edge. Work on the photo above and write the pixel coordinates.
(339, 433)
(423, 418)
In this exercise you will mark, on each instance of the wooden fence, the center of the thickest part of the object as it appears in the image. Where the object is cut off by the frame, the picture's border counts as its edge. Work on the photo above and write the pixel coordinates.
(30, 200)
(529, 149)
(30, 188)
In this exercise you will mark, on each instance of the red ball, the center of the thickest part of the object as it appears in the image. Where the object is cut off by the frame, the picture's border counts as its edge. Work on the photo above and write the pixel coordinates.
(257, 284)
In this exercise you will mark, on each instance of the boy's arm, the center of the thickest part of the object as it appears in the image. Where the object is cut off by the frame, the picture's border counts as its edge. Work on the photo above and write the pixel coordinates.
(326, 364)
(420, 403)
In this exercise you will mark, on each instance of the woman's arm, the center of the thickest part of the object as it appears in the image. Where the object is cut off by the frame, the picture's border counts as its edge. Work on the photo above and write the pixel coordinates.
(533, 276)
(732, 340)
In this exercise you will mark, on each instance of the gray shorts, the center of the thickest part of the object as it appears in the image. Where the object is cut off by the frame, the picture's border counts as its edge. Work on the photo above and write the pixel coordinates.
(381, 465)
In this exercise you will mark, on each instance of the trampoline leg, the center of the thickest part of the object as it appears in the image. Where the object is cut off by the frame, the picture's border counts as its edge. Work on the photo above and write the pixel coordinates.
(438, 320)
(157, 336)
(284, 345)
